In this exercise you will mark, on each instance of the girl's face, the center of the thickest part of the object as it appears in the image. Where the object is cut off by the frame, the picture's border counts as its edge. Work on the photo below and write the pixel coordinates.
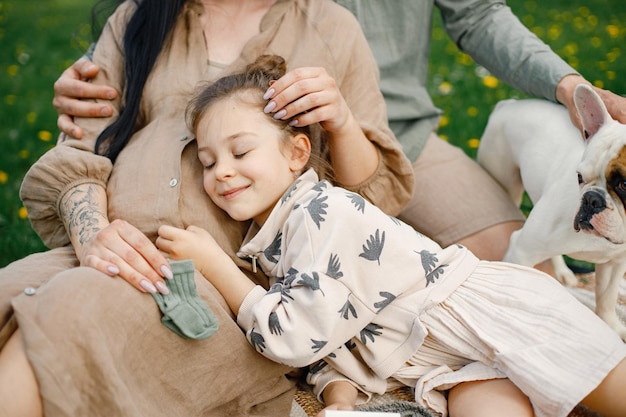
(247, 166)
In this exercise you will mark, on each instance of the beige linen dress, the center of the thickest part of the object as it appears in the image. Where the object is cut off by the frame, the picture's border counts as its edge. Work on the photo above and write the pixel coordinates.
(96, 344)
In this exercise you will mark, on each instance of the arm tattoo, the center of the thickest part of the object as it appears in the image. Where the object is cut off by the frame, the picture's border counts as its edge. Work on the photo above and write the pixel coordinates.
(81, 214)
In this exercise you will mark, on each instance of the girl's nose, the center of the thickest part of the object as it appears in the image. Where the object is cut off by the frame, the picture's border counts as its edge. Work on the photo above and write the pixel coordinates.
(223, 170)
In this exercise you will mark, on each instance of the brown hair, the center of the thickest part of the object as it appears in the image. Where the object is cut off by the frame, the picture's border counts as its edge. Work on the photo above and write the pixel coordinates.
(257, 77)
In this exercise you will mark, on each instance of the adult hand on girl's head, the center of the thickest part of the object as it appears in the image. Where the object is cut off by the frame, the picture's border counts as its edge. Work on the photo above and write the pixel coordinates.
(72, 86)
(308, 95)
(120, 249)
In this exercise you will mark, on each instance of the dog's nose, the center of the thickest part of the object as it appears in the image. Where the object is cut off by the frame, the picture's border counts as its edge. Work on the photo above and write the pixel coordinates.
(592, 203)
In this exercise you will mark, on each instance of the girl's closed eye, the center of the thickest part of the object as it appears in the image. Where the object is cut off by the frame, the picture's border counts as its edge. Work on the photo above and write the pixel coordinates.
(241, 150)
(207, 163)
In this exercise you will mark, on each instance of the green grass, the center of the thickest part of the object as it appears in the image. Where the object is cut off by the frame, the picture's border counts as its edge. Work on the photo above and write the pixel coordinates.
(41, 38)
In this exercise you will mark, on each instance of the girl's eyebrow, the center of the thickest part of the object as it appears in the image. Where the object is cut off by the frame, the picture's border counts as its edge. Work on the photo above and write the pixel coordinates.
(231, 138)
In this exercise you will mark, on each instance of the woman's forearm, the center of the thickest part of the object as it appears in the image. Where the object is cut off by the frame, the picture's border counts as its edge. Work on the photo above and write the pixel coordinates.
(83, 211)
(354, 157)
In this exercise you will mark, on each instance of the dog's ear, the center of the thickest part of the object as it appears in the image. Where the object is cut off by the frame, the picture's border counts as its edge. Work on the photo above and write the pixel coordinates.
(591, 109)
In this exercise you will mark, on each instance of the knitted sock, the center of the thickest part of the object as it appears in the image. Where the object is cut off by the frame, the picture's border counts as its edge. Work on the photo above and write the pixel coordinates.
(183, 310)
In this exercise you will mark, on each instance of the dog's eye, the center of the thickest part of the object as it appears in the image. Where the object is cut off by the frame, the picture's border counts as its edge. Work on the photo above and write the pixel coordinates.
(621, 186)
(580, 179)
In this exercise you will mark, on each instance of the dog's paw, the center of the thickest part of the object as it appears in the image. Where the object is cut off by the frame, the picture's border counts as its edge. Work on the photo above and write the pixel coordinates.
(562, 272)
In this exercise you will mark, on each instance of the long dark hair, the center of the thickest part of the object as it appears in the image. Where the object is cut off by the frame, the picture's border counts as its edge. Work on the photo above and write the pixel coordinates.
(146, 33)
(256, 77)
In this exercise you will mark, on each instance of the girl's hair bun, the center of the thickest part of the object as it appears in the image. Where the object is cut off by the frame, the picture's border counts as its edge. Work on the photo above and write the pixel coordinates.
(271, 67)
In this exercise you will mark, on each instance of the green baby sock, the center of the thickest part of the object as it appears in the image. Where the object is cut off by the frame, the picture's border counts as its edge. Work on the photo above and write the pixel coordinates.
(183, 310)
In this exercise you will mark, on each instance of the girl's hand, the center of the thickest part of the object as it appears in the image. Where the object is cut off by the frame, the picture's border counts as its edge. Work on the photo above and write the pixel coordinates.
(308, 95)
(120, 249)
(213, 263)
(193, 243)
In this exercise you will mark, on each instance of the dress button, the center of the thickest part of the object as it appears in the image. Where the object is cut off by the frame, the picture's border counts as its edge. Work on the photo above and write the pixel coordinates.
(29, 291)
(173, 182)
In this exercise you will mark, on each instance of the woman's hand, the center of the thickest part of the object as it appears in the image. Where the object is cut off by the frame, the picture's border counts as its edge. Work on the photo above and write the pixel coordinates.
(72, 86)
(120, 249)
(308, 95)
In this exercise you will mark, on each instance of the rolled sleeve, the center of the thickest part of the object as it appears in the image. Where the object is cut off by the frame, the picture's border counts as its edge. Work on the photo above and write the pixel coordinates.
(55, 174)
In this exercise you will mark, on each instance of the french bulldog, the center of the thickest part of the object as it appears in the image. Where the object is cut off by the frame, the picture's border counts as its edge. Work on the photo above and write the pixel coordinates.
(577, 187)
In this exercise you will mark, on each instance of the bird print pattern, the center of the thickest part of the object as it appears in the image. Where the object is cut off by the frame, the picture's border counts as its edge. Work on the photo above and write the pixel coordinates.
(321, 277)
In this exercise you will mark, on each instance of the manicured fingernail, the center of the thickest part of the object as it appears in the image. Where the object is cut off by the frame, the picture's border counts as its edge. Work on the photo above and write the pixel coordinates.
(111, 95)
(294, 122)
(270, 106)
(147, 285)
(162, 288)
(269, 93)
(105, 111)
(167, 273)
(280, 114)
(113, 270)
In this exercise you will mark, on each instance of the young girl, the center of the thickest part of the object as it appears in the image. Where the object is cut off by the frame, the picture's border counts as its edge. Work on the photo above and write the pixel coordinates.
(366, 300)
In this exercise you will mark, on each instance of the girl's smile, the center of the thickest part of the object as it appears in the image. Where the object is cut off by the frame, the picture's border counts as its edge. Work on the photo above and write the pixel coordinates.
(249, 161)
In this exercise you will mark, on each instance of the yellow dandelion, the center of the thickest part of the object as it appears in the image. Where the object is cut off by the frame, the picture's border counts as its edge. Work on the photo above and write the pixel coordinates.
(529, 20)
(579, 23)
(4, 177)
(24, 153)
(22, 213)
(599, 83)
(444, 121)
(12, 70)
(596, 42)
(490, 81)
(445, 88)
(464, 59)
(539, 31)
(44, 135)
(472, 111)
(31, 117)
(444, 137)
(473, 143)
(438, 34)
(611, 75)
(592, 21)
(584, 11)
(10, 99)
(571, 49)
(613, 55)
(554, 32)
(612, 30)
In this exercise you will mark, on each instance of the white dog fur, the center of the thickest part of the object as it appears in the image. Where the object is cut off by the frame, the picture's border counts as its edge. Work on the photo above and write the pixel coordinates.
(577, 186)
